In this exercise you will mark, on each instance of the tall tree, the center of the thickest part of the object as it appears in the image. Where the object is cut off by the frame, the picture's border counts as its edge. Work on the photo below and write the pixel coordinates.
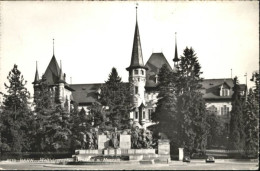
(113, 107)
(165, 113)
(191, 106)
(16, 113)
(51, 123)
(236, 134)
(251, 119)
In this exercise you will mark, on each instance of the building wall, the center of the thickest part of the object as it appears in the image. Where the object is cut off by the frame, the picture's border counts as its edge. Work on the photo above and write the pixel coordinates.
(219, 105)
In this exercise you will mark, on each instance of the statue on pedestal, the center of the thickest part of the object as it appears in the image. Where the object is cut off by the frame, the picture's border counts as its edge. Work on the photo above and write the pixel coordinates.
(114, 139)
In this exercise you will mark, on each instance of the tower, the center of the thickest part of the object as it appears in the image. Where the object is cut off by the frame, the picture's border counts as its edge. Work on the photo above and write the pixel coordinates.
(61, 84)
(137, 78)
(176, 59)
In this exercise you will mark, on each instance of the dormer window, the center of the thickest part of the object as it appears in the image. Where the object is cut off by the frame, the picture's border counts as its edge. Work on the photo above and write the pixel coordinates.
(142, 71)
(156, 78)
(136, 71)
(224, 90)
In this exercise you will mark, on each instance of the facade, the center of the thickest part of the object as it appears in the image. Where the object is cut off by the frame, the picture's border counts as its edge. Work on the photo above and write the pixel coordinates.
(56, 80)
(144, 78)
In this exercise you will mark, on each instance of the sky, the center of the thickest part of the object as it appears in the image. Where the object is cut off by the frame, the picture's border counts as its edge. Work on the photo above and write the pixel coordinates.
(92, 37)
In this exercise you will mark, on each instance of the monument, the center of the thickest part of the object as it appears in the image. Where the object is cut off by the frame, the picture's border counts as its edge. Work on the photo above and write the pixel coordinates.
(135, 145)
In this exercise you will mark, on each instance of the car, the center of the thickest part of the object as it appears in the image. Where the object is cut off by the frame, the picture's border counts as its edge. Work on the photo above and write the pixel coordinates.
(186, 159)
(210, 159)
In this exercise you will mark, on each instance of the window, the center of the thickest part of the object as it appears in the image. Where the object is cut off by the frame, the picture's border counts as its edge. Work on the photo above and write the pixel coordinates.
(156, 78)
(136, 72)
(224, 92)
(225, 110)
(150, 114)
(142, 71)
(136, 115)
(212, 109)
(136, 90)
(143, 114)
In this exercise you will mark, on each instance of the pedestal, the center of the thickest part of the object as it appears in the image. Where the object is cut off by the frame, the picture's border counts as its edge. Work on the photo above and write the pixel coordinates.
(181, 154)
(125, 141)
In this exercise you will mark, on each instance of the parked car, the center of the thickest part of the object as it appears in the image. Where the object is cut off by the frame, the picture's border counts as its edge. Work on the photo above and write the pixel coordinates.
(186, 159)
(210, 159)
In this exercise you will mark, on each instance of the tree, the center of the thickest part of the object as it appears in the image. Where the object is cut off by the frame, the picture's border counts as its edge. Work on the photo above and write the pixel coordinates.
(80, 125)
(217, 132)
(113, 105)
(51, 123)
(236, 134)
(251, 120)
(190, 104)
(165, 112)
(44, 106)
(16, 115)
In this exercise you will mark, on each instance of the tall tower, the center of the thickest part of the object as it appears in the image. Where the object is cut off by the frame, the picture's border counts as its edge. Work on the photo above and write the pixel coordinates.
(176, 59)
(61, 83)
(137, 78)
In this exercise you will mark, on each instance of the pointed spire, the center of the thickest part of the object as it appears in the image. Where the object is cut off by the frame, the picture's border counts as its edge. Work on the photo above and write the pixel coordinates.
(52, 47)
(176, 59)
(36, 78)
(136, 11)
(137, 56)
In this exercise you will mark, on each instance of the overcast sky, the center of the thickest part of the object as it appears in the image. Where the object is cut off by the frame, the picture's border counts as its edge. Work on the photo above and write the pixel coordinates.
(92, 37)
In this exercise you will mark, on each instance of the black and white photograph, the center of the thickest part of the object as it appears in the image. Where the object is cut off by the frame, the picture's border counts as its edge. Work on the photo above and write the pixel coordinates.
(129, 85)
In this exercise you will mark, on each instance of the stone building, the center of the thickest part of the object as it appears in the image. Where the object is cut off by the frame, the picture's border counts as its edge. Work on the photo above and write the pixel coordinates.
(144, 78)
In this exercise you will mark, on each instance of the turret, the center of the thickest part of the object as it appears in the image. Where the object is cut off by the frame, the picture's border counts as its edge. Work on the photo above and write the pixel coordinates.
(137, 78)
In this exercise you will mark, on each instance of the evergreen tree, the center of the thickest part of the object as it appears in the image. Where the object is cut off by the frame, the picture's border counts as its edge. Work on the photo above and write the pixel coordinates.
(51, 123)
(113, 106)
(191, 106)
(251, 120)
(236, 134)
(81, 124)
(165, 114)
(44, 106)
(216, 131)
(16, 115)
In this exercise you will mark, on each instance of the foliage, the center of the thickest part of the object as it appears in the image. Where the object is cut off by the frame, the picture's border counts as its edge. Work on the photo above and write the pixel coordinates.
(51, 127)
(16, 115)
(217, 133)
(251, 120)
(190, 104)
(80, 125)
(236, 134)
(165, 113)
(113, 106)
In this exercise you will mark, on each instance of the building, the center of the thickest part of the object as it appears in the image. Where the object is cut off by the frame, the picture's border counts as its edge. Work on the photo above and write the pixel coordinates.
(144, 78)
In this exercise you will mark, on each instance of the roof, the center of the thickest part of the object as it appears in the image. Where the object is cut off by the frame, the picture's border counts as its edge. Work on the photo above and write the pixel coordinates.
(211, 88)
(154, 64)
(176, 59)
(36, 78)
(243, 87)
(137, 56)
(85, 93)
(52, 72)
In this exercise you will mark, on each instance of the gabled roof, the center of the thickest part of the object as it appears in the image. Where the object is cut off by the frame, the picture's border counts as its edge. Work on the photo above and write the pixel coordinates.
(137, 56)
(154, 64)
(52, 72)
(211, 88)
